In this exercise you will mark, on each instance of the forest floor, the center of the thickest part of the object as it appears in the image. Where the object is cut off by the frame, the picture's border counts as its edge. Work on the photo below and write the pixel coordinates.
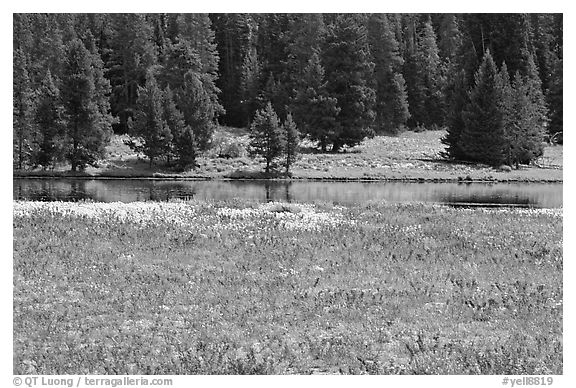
(240, 287)
(408, 156)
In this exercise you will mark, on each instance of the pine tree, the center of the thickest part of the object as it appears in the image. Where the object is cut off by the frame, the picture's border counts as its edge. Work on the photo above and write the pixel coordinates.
(272, 47)
(234, 38)
(46, 47)
(22, 110)
(196, 30)
(251, 80)
(449, 36)
(149, 126)
(555, 102)
(554, 95)
(303, 38)
(87, 131)
(314, 110)
(349, 71)
(506, 35)
(197, 107)
(186, 107)
(292, 136)
(482, 138)
(102, 88)
(458, 98)
(267, 138)
(184, 144)
(391, 97)
(49, 118)
(531, 115)
(508, 109)
(193, 91)
(536, 95)
(175, 121)
(132, 54)
(271, 42)
(426, 104)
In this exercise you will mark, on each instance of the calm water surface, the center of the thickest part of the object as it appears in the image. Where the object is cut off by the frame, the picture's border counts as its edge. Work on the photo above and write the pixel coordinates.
(130, 190)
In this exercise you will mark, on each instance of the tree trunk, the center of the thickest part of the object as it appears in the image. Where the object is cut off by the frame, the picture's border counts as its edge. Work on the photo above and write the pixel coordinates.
(74, 160)
(20, 142)
(336, 146)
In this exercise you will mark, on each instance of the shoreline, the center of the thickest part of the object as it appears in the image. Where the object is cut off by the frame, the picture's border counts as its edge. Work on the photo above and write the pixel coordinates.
(178, 177)
(408, 157)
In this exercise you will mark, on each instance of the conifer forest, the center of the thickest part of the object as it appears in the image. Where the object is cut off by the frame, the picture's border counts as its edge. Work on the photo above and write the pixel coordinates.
(493, 81)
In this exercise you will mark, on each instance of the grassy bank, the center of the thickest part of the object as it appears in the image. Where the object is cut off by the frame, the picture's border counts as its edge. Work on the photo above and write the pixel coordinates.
(409, 156)
(241, 287)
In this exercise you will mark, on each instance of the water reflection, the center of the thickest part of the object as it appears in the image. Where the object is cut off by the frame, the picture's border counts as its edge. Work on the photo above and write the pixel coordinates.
(130, 190)
(492, 200)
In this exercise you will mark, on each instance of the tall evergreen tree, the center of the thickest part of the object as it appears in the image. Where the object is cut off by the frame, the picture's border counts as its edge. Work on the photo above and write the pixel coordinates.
(425, 96)
(196, 30)
(303, 38)
(391, 97)
(315, 111)
(272, 47)
(149, 125)
(132, 54)
(506, 35)
(234, 37)
(270, 93)
(555, 102)
(49, 118)
(524, 132)
(483, 138)
(197, 107)
(534, 86)
(251, 80)
(175, 121)
(193, 91)
(267, 138)
(46, 47)
(508, 109)
(458, 98)
(187, 108)
(449, 36)
(272, 43)
(349, 71)
(22, 110)
(87, 131)
(102, 87)
(532, 113)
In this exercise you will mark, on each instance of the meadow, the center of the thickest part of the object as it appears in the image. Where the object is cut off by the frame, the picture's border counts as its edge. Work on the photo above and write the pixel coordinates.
(242, 287)
(407, 156)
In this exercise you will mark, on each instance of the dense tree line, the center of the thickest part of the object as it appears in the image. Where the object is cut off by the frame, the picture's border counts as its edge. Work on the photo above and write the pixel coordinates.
(493, 80)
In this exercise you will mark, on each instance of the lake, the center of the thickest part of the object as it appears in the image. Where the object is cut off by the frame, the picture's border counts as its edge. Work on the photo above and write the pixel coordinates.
(538, 195)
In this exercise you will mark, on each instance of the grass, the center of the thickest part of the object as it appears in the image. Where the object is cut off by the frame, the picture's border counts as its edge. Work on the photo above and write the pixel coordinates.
(408, 156)
(246, 288)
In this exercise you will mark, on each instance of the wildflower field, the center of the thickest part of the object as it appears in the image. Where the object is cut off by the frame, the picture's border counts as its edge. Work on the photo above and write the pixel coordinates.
(249, 288)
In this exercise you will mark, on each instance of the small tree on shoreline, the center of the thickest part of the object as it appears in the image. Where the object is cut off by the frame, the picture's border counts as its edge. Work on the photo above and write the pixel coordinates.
(267, 138)
(292, 136)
